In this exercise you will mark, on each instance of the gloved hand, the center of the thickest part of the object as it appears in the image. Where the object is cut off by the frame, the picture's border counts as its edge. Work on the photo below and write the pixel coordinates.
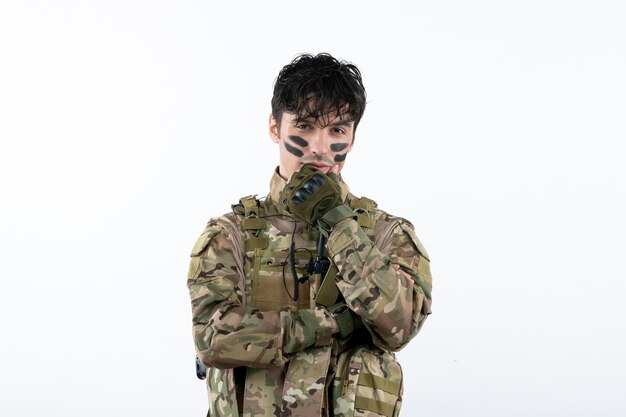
(347, 320)
(315, 198)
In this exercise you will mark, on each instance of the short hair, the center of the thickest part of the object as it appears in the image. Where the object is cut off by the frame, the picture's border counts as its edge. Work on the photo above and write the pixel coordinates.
(312, 86)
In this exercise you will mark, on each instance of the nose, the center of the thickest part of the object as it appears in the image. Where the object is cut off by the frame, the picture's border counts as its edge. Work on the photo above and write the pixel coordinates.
(320, 143)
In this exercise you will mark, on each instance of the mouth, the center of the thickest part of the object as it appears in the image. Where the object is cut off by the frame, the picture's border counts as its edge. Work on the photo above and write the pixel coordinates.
(321, 167)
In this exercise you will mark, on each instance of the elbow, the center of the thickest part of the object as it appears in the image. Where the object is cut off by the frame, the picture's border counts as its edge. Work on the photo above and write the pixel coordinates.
(213, 357)
(392, 337)
(397, 332)
(211, 360)
(206, 359)
(207, 347)
(390, 345)
(225, 352)
(399, 340)
(213, 354)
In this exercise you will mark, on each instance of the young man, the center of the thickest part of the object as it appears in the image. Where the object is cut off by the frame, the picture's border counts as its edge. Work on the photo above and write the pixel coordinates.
(299, 299)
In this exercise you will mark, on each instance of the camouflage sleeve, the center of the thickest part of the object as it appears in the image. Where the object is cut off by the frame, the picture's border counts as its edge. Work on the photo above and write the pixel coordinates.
(228, 334)
(391, 291)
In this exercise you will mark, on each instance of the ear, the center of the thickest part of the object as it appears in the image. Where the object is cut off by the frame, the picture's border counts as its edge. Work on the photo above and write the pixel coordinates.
(273, 128)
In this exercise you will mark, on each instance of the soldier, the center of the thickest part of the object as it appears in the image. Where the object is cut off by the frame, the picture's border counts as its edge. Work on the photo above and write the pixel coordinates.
(300, 299)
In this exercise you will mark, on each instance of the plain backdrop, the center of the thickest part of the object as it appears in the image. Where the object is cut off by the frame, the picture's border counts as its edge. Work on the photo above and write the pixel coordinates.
(496, 127)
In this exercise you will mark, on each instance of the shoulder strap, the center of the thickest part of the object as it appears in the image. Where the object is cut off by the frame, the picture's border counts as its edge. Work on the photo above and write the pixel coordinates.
(365, 210)
(252, 223)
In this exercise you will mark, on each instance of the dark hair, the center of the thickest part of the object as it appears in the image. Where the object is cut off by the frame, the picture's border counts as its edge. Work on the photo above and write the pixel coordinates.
(314, 86)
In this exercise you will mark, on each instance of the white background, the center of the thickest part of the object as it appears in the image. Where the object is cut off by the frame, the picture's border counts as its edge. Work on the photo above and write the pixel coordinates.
(496, 127)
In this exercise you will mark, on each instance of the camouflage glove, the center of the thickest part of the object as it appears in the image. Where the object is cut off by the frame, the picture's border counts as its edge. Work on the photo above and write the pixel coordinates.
(315, 198)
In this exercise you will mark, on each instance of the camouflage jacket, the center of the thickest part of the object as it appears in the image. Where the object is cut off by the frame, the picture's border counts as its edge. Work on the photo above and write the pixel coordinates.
(246, 325)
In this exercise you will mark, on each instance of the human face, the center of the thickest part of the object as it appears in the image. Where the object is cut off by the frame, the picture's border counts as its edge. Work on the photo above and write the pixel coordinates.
(323, 143)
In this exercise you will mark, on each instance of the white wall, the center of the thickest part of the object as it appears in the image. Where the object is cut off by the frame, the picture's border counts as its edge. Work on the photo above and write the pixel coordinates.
(496, 127)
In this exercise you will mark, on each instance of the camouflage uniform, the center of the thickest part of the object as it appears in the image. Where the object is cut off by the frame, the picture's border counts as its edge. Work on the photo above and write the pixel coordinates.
(246, 326)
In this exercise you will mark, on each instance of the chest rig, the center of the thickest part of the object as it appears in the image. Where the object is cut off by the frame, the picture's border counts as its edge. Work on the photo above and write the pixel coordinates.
(274, 255)
(350, 379)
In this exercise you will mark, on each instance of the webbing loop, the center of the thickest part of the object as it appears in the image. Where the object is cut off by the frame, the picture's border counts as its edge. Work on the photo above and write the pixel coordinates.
(252, 224)
(370, 404)
(365, 210)
(378, 382)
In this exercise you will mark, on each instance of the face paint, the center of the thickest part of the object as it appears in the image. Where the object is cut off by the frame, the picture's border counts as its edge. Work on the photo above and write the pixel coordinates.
(338, 147)
(324, 143)
(293, 150)
(299, 141)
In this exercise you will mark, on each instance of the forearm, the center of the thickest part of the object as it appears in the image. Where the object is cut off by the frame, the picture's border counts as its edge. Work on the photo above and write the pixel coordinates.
(226, 333)
(378, 287)
(236, 336)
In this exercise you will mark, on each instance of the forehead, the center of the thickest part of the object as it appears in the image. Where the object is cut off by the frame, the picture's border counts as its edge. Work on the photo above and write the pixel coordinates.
(328, 119)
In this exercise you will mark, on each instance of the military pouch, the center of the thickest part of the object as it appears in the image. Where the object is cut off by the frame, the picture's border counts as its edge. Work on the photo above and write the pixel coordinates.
(368, 382)
(328, 293)
(272, 281)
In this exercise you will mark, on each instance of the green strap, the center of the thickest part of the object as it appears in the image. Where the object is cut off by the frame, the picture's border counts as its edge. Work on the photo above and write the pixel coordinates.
(250, 205)
(252, 224)
(378, 382)
(328, 292)
(372, 405)
(334, 216)
(363, 203)
(365, 221)
(343, 318)
(252, 243)
(365, 210)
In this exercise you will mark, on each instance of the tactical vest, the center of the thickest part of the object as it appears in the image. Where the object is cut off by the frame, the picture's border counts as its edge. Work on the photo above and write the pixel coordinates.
(363, 379)
(269, 280)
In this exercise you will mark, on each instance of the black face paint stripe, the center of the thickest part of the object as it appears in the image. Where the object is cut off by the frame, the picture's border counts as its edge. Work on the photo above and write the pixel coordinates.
(338, 147)
(299, 141)
(341, 157)
(295, 151)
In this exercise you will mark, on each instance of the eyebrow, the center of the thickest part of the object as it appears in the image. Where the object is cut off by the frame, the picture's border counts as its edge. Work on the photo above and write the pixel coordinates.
(312, 120)
(346, 122)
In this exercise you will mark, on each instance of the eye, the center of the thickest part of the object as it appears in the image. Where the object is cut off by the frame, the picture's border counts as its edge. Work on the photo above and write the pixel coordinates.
(339, 131)
(303, 126)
